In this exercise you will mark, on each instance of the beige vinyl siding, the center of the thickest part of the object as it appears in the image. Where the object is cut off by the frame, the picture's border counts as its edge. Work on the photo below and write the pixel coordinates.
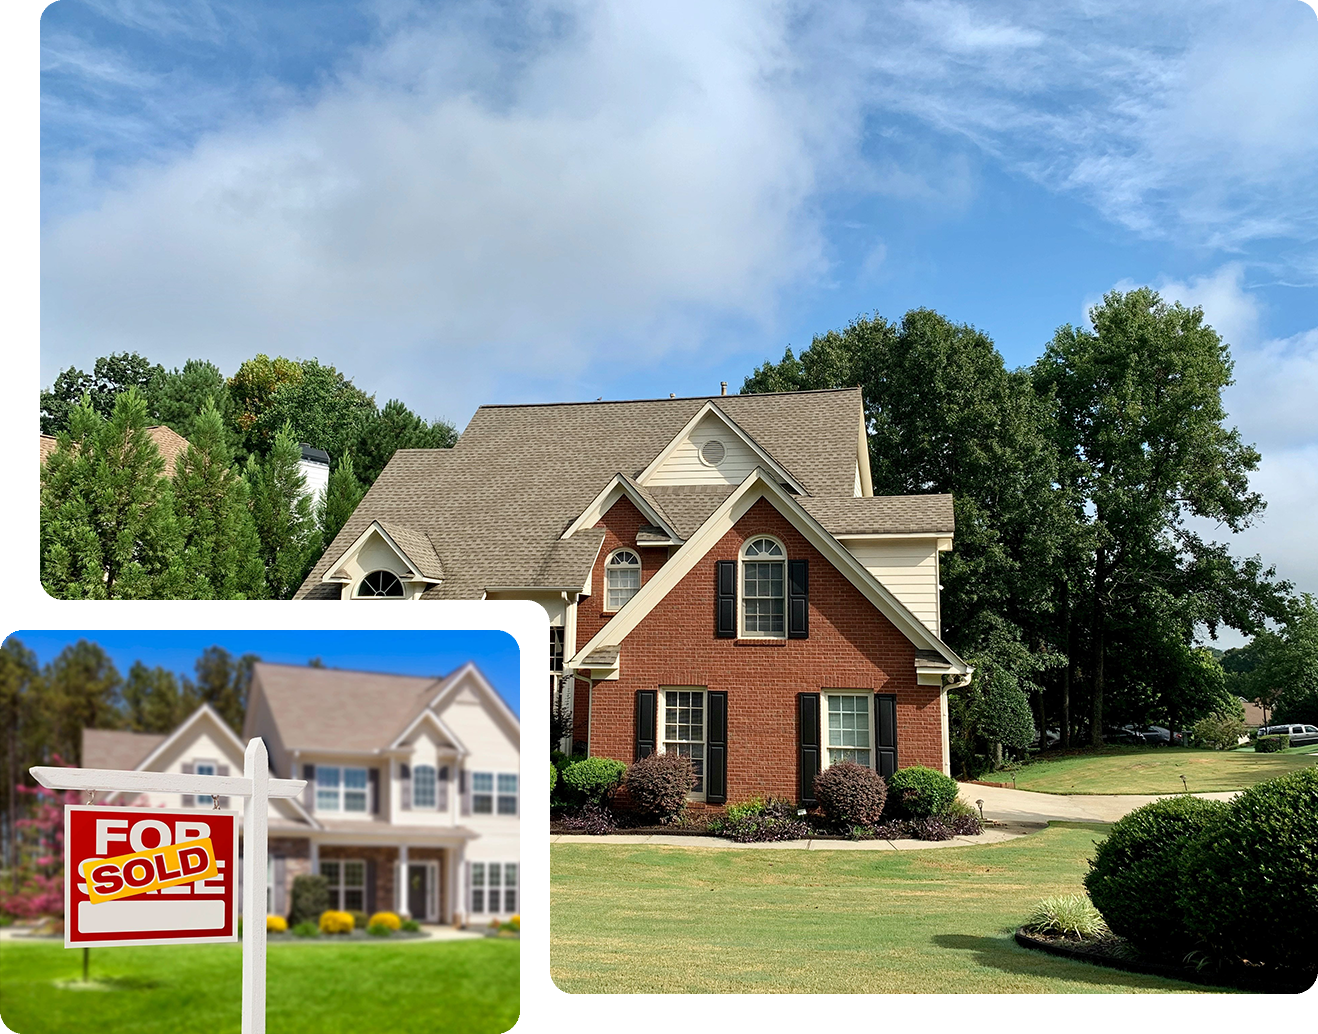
(907, 568)
(683, 465)
(860, 489)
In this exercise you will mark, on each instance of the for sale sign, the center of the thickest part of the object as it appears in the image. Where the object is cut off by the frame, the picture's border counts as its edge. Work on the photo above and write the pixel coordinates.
(149, 876)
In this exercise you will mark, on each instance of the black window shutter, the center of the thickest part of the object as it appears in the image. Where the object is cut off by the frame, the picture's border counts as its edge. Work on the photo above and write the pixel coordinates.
(373, 778)
(798, 599)
(189, 800)
(309, 794)
(725, 600)
(807, 712)
(404, 787)
(716, 749)
(885, 733)
(646, 703)
(222, 770)
(370, 886)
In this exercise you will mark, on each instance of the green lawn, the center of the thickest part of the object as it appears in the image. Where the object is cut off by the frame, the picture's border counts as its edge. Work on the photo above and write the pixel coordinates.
(1158, 770)
(442, 987)
(660, 919)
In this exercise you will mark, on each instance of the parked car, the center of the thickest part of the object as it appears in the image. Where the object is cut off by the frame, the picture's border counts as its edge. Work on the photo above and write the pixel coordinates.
(1301, 735)
(1160, 734)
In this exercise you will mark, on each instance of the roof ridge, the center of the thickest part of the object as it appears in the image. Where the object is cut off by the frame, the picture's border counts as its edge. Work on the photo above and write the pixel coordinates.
(354, 671)
(678, 398)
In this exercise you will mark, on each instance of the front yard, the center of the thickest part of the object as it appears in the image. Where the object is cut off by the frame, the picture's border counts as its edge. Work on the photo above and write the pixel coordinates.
(1144, 770)
(447, 987)
(646, 919)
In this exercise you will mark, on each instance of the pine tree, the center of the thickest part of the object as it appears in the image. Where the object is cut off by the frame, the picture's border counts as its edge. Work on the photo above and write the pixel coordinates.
(153, 701)
(285, 523)
(82, 691)
(108, 529)
(220, 547)
(342, 495)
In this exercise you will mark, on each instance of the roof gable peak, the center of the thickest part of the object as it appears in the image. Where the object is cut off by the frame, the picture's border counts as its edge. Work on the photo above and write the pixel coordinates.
(712, 448)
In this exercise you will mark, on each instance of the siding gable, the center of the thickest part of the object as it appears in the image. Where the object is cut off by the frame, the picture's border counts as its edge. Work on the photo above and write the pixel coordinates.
(683, 466)
(907, 568)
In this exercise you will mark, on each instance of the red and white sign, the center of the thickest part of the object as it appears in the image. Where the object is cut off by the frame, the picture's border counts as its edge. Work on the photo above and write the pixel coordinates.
(149, 876)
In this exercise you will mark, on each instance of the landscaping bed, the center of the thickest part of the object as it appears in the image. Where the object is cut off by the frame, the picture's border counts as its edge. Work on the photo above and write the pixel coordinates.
(1118, 953)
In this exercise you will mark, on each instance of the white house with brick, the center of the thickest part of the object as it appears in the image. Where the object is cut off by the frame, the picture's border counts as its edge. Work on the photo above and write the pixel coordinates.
(413, 792)
(720, 579)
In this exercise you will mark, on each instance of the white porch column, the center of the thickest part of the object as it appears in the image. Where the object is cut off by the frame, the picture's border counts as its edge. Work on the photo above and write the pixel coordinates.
(401, 884)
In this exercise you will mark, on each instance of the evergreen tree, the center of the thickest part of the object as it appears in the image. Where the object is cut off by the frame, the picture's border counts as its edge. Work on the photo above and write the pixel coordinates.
(111, 376)
(180, 396)
(285, 523)
(223, 682)
(397, 427)
(153, 700)
(220, 547)
(342, 495)
(82, 691)
(23, 737)
(108, 529)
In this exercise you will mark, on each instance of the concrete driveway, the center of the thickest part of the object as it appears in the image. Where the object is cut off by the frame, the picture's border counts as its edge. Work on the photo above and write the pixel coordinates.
(1006, 805)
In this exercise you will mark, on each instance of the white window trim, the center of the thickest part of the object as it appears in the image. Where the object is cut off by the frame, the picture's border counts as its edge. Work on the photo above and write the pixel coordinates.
(824, 761)
(434, 787)
(343, 887)
(742, 633)
(204, 800)
(402, 583)
(341, 811)
(622, 567)
(485, 888)
(694, 795)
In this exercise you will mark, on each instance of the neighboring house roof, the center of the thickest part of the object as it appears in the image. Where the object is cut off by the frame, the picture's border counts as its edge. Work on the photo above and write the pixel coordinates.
(310, 452)
(496, 505)
(169, 443)
(1253, 712)
(117, 749)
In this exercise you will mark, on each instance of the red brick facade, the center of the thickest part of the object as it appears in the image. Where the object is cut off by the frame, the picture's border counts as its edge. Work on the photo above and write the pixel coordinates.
(851, 646)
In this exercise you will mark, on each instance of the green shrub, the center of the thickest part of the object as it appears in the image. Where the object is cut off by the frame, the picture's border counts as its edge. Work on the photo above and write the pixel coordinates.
(310, 897)
(553, 777)
(1219, 731)
(746, 810)
(851, 794)
(1249, 887)
(658, 785)
(410, 926)
(359, 919)
(379, 930)
(920, 792)
(1070, 915)
(1134, 877)
(594, 780)
(1271, 744)
(306, 929)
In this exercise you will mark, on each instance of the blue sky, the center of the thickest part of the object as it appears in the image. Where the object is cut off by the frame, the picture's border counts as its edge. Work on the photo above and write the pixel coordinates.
(399, 653)
(550, 200)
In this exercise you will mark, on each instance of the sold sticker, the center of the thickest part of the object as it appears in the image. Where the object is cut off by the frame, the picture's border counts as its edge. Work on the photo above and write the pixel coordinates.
(109, 879)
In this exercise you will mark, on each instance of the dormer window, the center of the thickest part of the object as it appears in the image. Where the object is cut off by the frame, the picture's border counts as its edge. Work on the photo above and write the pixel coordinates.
(622, 578)
(380, 585)
(764, 589)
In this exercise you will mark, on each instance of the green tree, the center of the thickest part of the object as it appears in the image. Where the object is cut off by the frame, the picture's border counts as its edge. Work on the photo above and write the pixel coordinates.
(180, 396)
(282, 511)
(82, 691)
(1287, 669)
(23, 738)
(1141, 431)
(223, 682)
(220, 548)
(1001, 711)
(396, 427)
(154, 701)
(342, 495)
(108, 529)
(251, 390)
(111, 376)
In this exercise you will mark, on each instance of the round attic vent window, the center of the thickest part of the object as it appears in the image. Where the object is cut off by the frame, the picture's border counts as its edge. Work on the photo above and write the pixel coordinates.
(712, 452)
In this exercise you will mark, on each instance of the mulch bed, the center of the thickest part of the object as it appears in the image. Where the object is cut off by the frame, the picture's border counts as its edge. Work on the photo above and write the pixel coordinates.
(1117, 953)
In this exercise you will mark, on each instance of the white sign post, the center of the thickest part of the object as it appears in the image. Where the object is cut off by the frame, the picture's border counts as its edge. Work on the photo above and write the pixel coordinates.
(256, 786)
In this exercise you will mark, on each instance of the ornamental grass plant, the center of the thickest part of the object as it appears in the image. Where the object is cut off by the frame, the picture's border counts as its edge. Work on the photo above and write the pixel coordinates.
(1067, 915)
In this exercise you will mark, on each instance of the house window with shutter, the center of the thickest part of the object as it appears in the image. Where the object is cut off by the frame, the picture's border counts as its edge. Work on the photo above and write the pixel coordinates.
(342, 789)
(849, 729)
(684, 731)
(763, 589)
(622, 578)
(204, 768)
(423, 786)
(507, 793)
(482, 793)
(478, 886)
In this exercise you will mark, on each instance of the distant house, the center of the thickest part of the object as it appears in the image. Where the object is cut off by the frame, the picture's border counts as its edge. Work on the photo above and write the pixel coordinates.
(720, 579)
(314, 466)
(413, 788)
(169, 442)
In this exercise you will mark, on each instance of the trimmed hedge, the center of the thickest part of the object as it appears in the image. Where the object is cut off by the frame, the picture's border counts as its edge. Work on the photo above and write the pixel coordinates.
(920, 792)
(1134, 876)
(658, 785)
(1249, 887)
(594, 779)
(851, 794)
(1271, 744)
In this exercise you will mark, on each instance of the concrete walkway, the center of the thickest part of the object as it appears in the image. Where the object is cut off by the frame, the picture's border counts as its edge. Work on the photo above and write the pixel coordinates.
(1007, 805)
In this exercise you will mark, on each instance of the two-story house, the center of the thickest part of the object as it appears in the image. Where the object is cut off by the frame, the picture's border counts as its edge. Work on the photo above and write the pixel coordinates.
(413, 788)
(719, 577)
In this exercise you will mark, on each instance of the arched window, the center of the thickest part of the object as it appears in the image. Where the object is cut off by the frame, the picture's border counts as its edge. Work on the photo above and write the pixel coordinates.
(763, 588)
(622, 578)
(380, 585)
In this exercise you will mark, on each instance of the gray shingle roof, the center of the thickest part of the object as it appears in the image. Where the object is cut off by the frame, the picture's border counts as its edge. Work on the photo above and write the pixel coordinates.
(418, 547)
(495, 505)
(114, 748)
(883, 514)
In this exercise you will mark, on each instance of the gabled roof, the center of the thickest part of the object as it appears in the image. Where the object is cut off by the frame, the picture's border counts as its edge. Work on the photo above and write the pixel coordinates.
(496, 505)
(117, 748)
(414, 548)
(761, 485)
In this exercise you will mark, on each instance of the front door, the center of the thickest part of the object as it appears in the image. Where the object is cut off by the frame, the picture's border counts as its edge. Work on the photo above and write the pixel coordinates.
(418, 890)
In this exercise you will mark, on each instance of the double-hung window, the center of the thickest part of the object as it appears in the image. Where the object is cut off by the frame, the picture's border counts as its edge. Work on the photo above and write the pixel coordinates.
(507, 793)
(622, 578)
(423, 786)
(341, 789)
(684, 730)
(850, 729)
(347, 883)
(204, 800)
(482, 793)
(763, 589)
